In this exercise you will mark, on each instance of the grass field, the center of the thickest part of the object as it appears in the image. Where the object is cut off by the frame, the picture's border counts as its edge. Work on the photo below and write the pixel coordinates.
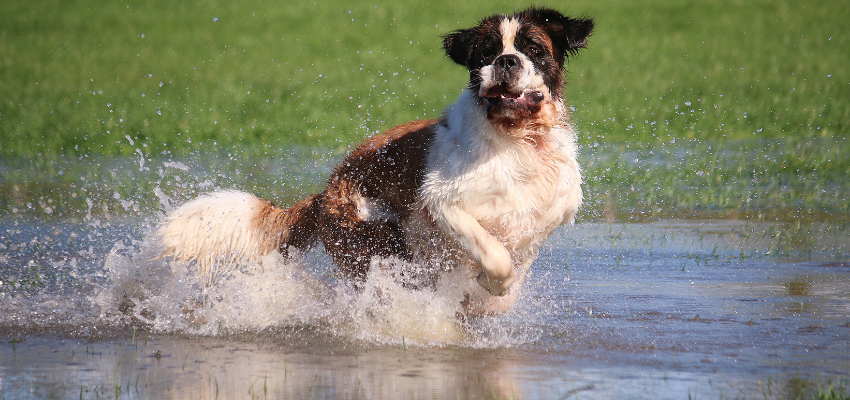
(80, 77)
(714, 107)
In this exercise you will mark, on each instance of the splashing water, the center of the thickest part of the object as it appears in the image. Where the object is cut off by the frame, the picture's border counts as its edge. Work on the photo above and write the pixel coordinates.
(170, 296)
(111, 288)
(99, 270)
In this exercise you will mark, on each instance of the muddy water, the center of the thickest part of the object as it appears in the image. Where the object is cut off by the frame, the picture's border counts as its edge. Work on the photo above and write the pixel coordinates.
(669, 309)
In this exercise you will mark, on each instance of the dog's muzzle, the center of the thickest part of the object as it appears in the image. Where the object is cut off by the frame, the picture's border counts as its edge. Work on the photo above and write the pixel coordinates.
(508, 68)
(503, 89)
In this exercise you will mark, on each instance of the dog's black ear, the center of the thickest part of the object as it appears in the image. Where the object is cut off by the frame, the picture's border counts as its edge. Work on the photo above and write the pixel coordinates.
(577, 32)
(459, 45)
(568, 34)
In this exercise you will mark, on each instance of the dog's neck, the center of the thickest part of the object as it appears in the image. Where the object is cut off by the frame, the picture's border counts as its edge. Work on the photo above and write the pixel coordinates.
(466, 139)
(472, 128)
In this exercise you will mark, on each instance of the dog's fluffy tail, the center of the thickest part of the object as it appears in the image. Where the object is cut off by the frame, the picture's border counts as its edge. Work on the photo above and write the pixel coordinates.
(224, 229)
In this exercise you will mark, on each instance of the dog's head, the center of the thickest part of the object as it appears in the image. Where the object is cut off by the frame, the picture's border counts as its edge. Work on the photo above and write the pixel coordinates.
(516, 61)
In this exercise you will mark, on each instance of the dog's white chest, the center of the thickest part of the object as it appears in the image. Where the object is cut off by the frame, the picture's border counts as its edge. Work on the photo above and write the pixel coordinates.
(519, 203)
(515, 192)
(499, 187)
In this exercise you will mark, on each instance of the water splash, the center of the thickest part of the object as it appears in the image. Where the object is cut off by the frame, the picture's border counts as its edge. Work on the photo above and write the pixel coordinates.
(171, 297)
(92, 266)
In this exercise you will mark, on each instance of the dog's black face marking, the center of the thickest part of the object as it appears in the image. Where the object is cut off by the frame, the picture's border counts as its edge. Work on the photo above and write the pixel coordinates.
(516, 61)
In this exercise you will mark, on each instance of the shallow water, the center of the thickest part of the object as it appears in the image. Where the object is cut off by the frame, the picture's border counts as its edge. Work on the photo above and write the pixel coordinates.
(668, 309)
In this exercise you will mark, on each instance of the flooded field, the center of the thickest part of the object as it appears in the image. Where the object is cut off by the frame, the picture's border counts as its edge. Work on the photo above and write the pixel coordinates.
(666, 307)
(657, 310)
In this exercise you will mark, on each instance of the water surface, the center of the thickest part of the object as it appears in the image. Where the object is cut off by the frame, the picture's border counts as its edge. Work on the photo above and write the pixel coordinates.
(668, 309)
(672, 307)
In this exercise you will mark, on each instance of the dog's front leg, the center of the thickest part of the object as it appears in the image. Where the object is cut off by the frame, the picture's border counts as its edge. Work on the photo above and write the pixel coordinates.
(491, 256)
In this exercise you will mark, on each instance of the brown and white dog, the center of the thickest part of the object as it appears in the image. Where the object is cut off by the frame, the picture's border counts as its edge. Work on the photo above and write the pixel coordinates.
(469, 197)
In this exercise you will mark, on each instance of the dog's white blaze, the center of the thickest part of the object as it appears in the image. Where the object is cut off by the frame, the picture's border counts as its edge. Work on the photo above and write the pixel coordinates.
(509, 28)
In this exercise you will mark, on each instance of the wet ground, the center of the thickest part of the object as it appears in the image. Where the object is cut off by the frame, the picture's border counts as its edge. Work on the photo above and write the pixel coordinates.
(670, 309)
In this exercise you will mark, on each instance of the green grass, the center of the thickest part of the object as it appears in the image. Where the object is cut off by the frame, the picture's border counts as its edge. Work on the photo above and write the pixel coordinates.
(819, 389)
(784, 180)
(716, 69)
(86, 77)
(81, 77)
(702, 109)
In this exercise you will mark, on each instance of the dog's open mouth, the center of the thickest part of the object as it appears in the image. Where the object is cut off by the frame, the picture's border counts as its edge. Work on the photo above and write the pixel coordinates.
(501, 95)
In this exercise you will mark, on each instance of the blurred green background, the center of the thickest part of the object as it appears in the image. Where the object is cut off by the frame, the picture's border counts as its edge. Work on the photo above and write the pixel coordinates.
(708, 108)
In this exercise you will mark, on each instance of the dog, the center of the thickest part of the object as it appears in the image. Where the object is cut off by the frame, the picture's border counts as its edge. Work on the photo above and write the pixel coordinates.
(467, 198)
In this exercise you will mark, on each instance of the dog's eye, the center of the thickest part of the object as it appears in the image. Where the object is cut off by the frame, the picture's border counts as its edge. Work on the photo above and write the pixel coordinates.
(534, 50)
(488, 50)
(488, 54)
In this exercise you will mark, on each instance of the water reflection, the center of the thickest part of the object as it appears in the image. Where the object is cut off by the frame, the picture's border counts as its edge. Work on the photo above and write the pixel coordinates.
(183, 368)
(798, 287)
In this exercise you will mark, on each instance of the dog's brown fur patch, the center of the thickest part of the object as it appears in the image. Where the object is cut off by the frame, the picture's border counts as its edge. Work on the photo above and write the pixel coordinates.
(388, 168)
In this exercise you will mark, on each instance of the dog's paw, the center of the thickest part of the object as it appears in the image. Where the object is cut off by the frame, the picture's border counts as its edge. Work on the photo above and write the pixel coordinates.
(494, 286)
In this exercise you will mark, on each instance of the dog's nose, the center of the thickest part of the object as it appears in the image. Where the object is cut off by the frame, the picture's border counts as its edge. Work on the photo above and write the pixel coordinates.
(507, 61)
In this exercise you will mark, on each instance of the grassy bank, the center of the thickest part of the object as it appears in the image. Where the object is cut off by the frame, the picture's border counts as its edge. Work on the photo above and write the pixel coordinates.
(768, 180)
(89, 77)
